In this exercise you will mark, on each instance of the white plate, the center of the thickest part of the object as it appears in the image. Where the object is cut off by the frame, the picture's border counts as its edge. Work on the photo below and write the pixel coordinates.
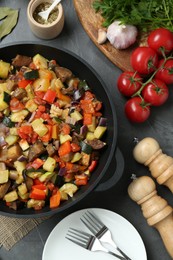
(124, 234)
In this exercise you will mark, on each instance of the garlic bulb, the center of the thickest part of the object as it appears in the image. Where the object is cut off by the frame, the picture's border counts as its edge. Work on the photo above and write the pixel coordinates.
(121, 36)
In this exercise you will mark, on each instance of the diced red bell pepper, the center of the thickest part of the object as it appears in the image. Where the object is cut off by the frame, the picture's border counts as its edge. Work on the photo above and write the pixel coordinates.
(37, 194)
(92, 165)
(55, 200)
(87, 118)
(64, 148)
(40, 186)
(24, 83)
(50, 96)
(81, 180)
(37, 163)
(75, 147)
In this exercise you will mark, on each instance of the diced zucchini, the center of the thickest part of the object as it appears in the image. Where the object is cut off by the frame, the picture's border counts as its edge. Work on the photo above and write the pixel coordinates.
(3, 104)
(46, 176)
(7, 121)
(11, 196)
(19, 116)
(11, 139)
(4, 69)
(31, 105)
(92, 127)
(40, 62)
(99, 131)
(23, 144)
(64, 138)
(76, 157)
(13, 131)
(90, 136)
(22, 189)
(39, 127)
(76, 115)
(3, 87)
(30, 92)
(24, 196)
(49, 164)
(85, 159)
(34, 174)
(86, 148)
(32, 203)
(20, 179)
(41, 84)
(4, 175)
(31, 74)
(20, 166)
(69, 188)
(64, 195)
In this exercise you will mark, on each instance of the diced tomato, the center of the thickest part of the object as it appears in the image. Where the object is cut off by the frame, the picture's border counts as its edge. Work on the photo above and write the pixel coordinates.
(37, 194)
(50, 186)
(87, 106)
(24, 83)
(87, 118)
(75, 147)
(49, 96)
(69, 166)
(32, 66)
(37, 163)
(81, 180)
(65, 129)
(41, 108)
(97, 105)
(37, 181)
(55, 200)
(16, 105)
(64, 148)
(39, 94)
(88, 95)
(27, 129)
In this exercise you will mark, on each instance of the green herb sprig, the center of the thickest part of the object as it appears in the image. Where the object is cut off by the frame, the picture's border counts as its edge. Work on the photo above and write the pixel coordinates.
(145, 14)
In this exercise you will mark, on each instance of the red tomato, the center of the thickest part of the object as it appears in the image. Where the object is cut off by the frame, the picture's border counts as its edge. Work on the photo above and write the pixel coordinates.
(129, 82)
(144, 60)
(165, 73)
(160, 40)
(156, 92)
(137, 110)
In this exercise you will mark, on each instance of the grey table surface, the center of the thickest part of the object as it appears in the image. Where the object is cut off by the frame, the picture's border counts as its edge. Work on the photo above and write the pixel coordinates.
(159, 126)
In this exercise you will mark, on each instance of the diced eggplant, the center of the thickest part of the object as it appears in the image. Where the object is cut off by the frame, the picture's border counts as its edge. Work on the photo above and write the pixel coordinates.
(4, 188)
(96, 144)
(102, 121)
(63, 73)
(21, 60)
(19, 93)
(14, 152)
(35, 150)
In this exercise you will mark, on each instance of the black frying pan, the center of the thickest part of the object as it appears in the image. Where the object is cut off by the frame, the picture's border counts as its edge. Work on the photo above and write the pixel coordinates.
(84, 71)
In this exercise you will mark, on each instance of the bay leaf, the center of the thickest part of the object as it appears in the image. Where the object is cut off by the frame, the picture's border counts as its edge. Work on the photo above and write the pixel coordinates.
(9, 22)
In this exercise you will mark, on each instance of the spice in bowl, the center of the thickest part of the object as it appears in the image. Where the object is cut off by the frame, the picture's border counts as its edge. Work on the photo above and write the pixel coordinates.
(43, 7)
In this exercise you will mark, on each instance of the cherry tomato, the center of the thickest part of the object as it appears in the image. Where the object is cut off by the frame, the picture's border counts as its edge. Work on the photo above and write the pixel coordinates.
(144, 60)
(137, 110)
(165, 73)
(160, 40)
(129, 82)
(156, 92)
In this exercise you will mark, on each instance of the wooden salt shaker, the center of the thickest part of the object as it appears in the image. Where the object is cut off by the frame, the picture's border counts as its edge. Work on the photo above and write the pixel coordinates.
(148, 152)
(154, 208)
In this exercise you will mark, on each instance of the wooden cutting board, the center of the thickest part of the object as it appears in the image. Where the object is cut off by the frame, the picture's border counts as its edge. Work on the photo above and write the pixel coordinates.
(91, 22)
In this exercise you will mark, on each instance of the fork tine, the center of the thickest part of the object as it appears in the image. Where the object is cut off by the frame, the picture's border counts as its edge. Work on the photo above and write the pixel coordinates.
(78, 237)
(96, 218)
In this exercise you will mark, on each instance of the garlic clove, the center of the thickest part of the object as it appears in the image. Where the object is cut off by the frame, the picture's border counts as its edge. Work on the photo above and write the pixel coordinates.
(102, 36)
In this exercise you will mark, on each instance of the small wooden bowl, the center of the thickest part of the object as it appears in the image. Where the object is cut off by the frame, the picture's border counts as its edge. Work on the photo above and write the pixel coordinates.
(45, 31)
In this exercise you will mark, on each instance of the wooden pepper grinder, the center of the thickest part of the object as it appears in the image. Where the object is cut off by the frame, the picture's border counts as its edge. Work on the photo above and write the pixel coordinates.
(154, 208)
(148, 152)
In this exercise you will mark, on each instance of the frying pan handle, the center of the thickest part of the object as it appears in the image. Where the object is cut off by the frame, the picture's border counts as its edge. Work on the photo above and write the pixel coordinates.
(117, 174)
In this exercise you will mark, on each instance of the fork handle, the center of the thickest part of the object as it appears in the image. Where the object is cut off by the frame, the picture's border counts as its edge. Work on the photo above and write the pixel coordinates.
(117, 256)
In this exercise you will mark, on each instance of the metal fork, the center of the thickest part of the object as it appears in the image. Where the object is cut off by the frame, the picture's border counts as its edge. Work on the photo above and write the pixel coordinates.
(99, 230)
(88, 241)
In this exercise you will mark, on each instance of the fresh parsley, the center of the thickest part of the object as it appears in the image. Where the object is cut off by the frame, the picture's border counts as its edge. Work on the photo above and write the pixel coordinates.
(145, 14)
